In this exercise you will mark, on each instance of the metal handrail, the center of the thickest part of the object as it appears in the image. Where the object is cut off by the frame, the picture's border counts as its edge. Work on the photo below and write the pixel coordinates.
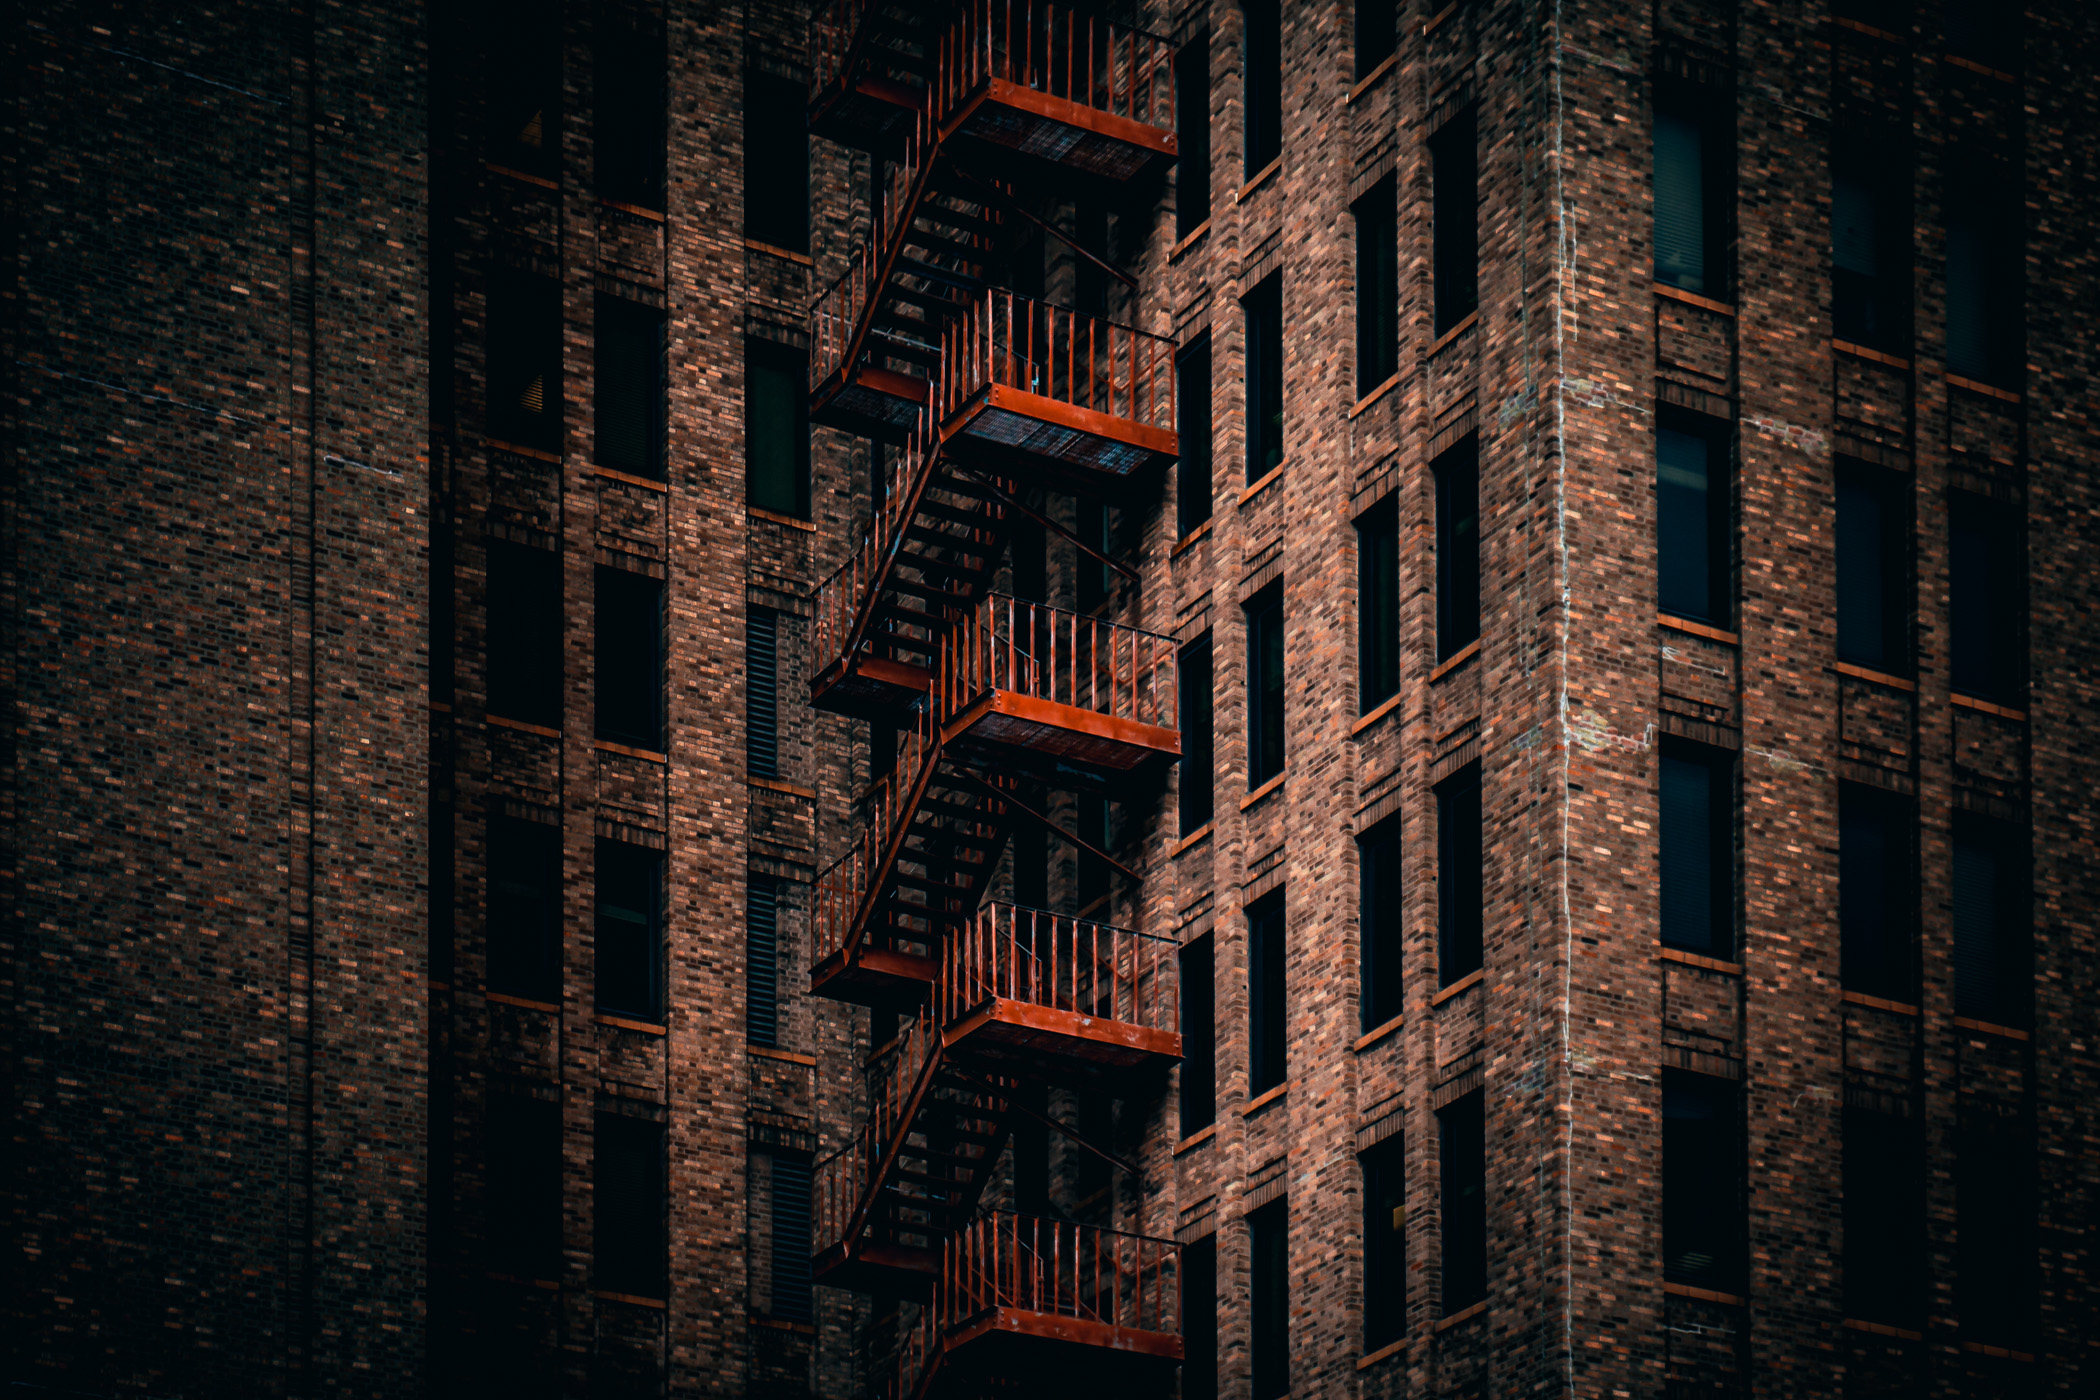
(1062, 1268)
(1060, 962)
(1056, 654)
(1040, 348)
(1059, 51)
(841, 886)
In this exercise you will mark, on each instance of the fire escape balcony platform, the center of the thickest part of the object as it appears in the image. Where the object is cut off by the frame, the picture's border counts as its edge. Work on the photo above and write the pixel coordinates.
(879, 1270)
(1005, 1029)
(869, 401)
(885, 978)
(1003, 117)
(1082, 448)
(1013, 1341)
(864, 111)
(1007, 726)
(870, 687)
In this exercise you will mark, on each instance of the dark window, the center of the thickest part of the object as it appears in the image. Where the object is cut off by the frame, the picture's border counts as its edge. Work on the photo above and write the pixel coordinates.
(1891, 17)
(1458, 875)
(443, 877)
(1378, 604)
(628, 1202)
(525, 89)
(1198, 759)
(1884, 1186)
(1377, 285)
(1199, 1319)
(524, 360)
(1693, 555)
(792, 1300)
(629, 82)
(1031, 562)
(524, 633)
(1875, 895)
(630, 388)
(1994, 1230)
(630, 930)
(1262, 83)
(1093, 520)
(1192, 122)
(1264, 308)
(776, 427)
(1455, 220)
(1192, 481)
(1199, 1036)
(1873, 568)
(1267, 1015)
(1385, 1244)
(776, 163)
(524, 908)
(1993, 976)
(762, 960)
(1984, 271)
(1264, 686)
(1694, 188)
(630, 659)
(524, 1186)
(1985, 33)
(1698, 848)
(1702, 1195)
(1377, 26)
(1986, 599)
(762, 693)
(1457, 548)
(1031, 848)
(1032, 1150)
(1462, 1159)
(1091, 883)
(1379, 925)
(1269, 1266)
(1870, 237)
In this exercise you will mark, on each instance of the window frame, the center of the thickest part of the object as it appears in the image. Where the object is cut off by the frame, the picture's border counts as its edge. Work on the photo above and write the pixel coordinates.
(1261, 85)
(1462, 1172)
(1378, 604)
(1890, 649)
(1195, 695)
(1268, 752)
(615, 591)
(530, 967)
(1375, 216)
(1192, 172)
(637, 1267)
(1454, 183)
(1262, 309)
(610, 852)
(1195, 481)
(1723, 1190)
(1381, 924)
(1197, 1096)
(616, 319)
(1461, 875)
(1268, 995)
(1456, 473)
(1383, 1166)
(1716, 521)
(791, 363)
(1268, 1301)
(777, 109)
(1888, 968)
(1720, 842)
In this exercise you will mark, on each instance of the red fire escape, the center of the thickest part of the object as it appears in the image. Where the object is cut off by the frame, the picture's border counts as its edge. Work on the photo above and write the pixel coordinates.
(982, 390)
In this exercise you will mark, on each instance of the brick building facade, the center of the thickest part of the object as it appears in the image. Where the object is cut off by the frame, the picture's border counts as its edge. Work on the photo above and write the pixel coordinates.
(520, 779)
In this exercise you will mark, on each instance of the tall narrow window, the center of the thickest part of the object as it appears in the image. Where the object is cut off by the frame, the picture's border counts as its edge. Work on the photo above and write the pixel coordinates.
(1031, 856)
(1199, 1319)
(1377, 285)
(762, 960)
(630, 388)
(1261, 73)
(1265, 686)
(1694, 184)
(1873, 568)
(1458, 875)
(1377, 27)
(1094, 529)
(1884, 1185)
(1385, 1244)
(524, 360)
(1199, 1036)
(1986, 599)
(1455, 219)
(1462, 1162)
(1993, 976)
(1875, 895)
(524, 908)
(1870, 237)
(1694, 559)
(792, 1300)
(630, 658)
(524, 1186)
(630, 930)
(1984, 33)
(1378, 604)
(1984, 270)
(1702, 1195)
(1192, 479)
(1267, 1016)
(1192, 123)
(627, 1201)
(1092, 811)
(1379, 925)
(524, 106)
(1457, 548)
(776, 427)
(1994, 1202)
(776, 163)
(1198, 760)
(524, 633)
(630, 88)
(1269, 1268)
(1698, 848)
(762, 693)
(1264, 310)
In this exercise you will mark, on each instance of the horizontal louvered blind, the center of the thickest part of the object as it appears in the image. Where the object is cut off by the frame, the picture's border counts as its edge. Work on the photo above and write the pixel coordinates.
(762, 961)
(762, 693)
(1680, 203)
(791, 1287)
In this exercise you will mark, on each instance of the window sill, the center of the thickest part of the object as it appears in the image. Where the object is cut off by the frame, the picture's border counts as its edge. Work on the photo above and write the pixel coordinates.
(545, 1285)
(1192, 840)
(1389, 1350)
(1704, 1295)
(755, 513)
(630, 479)
(806, 1329)
(1719, 308)
(1429, 26)
(2006, 1353)
(640, 211)
(1195, 236)
(1463, 1315)
(1969, 702)
(767, 1052)
(1190, 540)
(1900, 1008)
(537, 454)
(1455, 660)
(1698, 629)
(1372, 1037)
(506, 999)
(1471, 319)
(1263, 791)
(1970, 1023)
(1861, 673)
(1370, 79)
(522, 727)
(1883, 1329)
(775, 785)
(607, 1295)
(1275, 474)
(1385, 707)
(1863, 352)
(774, 251)
(1974, 67)
(622, 1023)
(519, 175)
(1264, 1099)
(1375, 395)
(1463, 984)
(1261, 177)
(629, 751)
(1678, 955)
(1859, 27)
(1196, 1139)
(1977, 386)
